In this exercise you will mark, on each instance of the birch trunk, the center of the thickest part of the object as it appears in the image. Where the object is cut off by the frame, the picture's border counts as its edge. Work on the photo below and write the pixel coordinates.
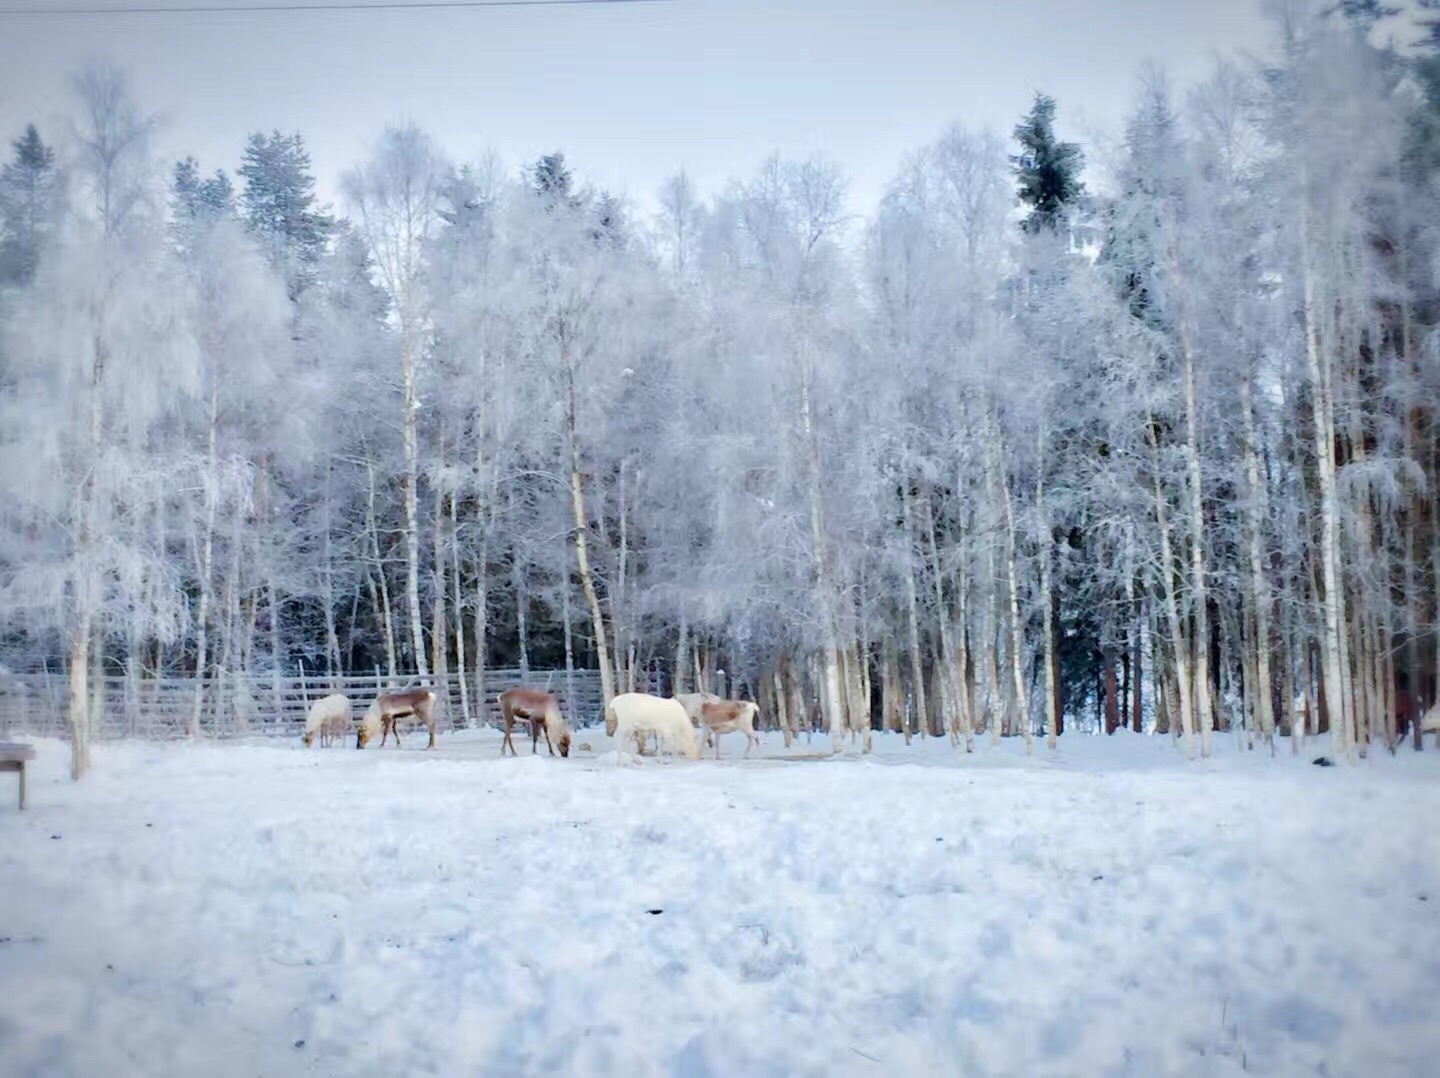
(332, 636)
(582, 554)
(1332, 649)
(796, 711)
(1412, 590)
(1261, 599)
(412, 512)
(777, 689)
(207, 553)
(1179, 645)
(624, 670)
(832, 700)
(681, 655)
(891, 718)
(1002, 478)
(995, 705)
(485, 518)
(438, 635)
(381, 584)
(1199, 591)
(963, 677)
(569, 643)
(912, 623)
(456, 601)
(78, 705)
(944, 658)
(1052, 681)
(1201, 685)
(1137, 632)
(522, 618)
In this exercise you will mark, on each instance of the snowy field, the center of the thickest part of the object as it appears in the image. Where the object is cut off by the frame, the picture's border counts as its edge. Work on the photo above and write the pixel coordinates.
(259, 909)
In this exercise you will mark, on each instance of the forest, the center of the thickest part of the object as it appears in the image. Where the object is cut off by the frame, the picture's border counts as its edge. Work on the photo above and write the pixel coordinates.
(1141, 436)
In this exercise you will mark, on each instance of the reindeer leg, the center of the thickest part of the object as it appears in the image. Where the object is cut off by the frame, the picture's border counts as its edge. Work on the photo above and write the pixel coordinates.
(384, 730)
(547, 740)
(506, 740)
(430, 724)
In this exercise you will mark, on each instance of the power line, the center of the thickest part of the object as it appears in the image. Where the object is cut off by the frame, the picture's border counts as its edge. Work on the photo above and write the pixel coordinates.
(349, 5)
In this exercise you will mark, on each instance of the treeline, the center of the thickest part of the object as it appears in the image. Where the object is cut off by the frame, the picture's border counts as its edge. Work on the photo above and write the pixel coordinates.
(1162, 452)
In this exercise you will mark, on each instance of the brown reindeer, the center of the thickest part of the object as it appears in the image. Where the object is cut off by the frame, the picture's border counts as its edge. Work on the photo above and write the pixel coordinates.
(388, 707)
(542, 711)
(726, 716)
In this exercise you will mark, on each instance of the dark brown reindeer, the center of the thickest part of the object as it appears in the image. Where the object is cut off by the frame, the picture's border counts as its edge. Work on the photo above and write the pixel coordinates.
(541, 710)
(388, 707)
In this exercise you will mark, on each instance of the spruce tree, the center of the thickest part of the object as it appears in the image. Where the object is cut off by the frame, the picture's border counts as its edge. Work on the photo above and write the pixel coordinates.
(278, 202)
(1048, 170)
(610, 225)
(552, 181)
(1151, 188)
(196, 203)
(29, 201)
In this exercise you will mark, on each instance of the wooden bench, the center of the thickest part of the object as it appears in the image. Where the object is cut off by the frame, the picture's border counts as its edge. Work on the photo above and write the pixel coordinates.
(13, 757)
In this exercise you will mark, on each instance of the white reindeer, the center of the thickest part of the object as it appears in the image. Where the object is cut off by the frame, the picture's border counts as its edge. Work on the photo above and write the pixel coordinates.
(328, 719)
(635, 714)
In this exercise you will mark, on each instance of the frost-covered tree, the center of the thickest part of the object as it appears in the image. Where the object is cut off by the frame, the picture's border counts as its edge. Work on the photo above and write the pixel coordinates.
(30, 200)
(280, 207)
(100, 360)
(1048, 170)
(396, 196)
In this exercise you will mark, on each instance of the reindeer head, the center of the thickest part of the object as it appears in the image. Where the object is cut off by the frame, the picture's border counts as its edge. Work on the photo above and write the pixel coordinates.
(564, 745)
(362, 735)
(610, 720)
(308, 737)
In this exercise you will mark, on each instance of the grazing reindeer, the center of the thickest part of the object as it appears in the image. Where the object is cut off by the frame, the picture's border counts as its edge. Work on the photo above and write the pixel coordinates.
(541, 711)
(635, 714)
(329, 719)
(726, 716)
(692, 702)
(388, 707)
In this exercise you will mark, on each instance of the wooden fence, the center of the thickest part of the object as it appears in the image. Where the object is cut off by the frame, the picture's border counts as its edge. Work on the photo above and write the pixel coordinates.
(250, 705)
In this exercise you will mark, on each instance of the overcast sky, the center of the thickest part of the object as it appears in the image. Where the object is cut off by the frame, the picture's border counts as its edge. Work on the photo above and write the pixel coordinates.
(630, 92)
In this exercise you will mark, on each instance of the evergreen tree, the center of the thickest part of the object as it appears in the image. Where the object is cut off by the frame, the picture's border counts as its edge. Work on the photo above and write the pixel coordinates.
(280, 208)
(196, 202)
(29, 200)
(347, 276)
(1364, 13)
(552, 181)
(1048, 170)
(610, 225)
(1150, 187)
(1423, 148)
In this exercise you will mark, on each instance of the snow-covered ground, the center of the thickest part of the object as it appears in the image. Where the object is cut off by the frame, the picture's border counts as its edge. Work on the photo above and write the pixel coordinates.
(259, 909)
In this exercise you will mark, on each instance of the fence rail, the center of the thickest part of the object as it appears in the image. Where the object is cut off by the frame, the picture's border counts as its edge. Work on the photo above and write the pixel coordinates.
(250, 705)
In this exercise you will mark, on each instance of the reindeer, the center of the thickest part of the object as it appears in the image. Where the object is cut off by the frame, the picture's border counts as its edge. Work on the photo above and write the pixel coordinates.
(541, 710)
(388, 707)
(692, 703)
(635, 714)
(726, 716)
(329, 719)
